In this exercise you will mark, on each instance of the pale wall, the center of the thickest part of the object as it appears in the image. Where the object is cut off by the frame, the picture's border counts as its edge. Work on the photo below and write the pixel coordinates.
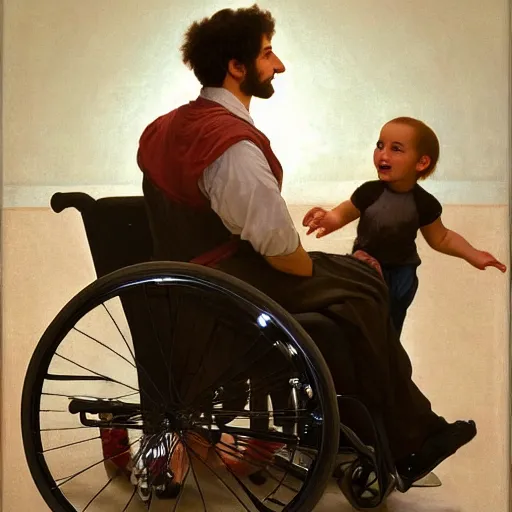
(82, 80)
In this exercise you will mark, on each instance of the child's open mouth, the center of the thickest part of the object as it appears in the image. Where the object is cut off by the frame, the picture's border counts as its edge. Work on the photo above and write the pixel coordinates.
(384, 168)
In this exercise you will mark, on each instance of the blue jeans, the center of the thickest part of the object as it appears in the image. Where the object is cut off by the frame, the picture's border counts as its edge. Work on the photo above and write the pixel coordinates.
(403, 283)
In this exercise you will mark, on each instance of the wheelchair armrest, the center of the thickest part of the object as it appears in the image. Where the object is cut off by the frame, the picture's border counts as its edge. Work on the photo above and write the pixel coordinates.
(79, 200)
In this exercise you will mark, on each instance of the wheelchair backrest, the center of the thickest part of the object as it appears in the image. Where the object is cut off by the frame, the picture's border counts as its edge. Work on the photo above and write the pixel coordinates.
(117, 229)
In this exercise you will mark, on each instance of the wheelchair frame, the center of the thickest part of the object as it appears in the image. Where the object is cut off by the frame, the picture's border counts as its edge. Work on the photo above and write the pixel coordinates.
(131, 237)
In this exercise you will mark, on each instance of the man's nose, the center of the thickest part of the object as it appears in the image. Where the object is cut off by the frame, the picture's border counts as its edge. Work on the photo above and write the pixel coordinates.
(279, 66)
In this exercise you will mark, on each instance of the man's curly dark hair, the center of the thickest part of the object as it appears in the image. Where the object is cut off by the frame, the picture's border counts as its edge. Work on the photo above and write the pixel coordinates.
(229, 34)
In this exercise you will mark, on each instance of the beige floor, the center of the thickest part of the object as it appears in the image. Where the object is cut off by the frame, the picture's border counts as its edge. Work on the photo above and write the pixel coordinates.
(456, 335)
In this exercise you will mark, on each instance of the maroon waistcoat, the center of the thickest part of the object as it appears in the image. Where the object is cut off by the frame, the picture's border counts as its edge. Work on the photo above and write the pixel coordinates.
(176, 148)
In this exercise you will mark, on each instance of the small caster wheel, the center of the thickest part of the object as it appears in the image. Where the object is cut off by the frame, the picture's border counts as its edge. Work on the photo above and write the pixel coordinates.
(360, 486)
(341, 468)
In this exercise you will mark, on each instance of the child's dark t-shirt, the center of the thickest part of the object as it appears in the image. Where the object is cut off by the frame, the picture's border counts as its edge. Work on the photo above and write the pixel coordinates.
(390, 221)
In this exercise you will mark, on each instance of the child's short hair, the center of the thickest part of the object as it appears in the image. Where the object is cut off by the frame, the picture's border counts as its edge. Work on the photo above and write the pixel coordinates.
(427, 142)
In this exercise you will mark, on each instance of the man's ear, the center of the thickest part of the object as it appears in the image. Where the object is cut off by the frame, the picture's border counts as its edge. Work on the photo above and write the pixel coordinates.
(236, 69)
(423, 163)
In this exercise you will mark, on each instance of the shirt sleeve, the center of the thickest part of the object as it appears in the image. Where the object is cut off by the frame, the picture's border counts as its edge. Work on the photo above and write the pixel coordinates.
(429, 208)
(245, 194)
(365, 195)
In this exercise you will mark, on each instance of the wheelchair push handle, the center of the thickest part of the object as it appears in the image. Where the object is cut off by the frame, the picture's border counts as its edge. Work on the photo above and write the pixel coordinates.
(79, 200)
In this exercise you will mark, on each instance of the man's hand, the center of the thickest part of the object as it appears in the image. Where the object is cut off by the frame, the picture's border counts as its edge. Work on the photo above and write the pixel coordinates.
(369, 260)
(482, 259)
(322, 221)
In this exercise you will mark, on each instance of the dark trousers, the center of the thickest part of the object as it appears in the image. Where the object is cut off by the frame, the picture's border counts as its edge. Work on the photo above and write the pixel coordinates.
(355, 297)
(403, 283)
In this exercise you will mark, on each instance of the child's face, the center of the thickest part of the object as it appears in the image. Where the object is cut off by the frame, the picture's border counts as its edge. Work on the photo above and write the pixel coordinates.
(396, 158)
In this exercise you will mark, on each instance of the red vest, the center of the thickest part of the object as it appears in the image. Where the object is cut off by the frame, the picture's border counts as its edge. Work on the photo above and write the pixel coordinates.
(176, 148)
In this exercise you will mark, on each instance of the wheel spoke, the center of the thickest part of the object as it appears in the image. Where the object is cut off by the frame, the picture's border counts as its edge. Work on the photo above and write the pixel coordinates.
(119, 331)
(99, 492)
(130, 500)
(63, 428)
(269, 384)
(104, 377)
(71, 444)
(174, 393)
(237, 368)
(203, 360)
(71, 378)
(67, 479)
(136, 366)
(233, 451)
(272, 437)
(208, 466)
(197, 484)
(280, 483)
(275, 413)
(103, 345)
(124, 396)
(256, 502)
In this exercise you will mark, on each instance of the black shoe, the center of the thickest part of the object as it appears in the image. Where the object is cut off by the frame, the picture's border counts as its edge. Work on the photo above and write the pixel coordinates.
(435, 450)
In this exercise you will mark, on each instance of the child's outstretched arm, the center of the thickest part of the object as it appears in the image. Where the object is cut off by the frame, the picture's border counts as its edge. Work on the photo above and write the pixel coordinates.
(448, 242)
(325, 222)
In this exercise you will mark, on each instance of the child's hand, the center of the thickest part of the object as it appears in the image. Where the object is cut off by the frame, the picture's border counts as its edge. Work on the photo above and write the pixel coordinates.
(313, 218)
(482, 259)
(320, 220)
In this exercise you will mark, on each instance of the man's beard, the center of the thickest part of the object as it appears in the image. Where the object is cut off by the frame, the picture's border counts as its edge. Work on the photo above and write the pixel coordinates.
(252, 86)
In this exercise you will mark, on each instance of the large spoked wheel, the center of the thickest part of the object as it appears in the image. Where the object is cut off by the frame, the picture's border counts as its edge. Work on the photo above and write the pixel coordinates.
(178, 382)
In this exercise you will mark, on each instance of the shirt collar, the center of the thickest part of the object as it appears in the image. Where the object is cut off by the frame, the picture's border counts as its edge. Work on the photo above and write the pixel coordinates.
(228, 100)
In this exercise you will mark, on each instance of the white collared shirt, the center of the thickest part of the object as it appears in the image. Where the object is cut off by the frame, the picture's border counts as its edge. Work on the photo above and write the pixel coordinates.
(244, 193)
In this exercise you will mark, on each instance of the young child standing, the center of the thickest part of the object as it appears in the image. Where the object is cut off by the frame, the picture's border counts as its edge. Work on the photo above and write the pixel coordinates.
(393, 208)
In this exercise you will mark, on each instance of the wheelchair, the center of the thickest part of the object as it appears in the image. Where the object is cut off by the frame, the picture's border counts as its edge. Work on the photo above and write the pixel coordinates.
(176, 384)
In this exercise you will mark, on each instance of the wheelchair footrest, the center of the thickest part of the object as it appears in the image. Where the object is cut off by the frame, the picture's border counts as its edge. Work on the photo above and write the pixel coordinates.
(431, 480)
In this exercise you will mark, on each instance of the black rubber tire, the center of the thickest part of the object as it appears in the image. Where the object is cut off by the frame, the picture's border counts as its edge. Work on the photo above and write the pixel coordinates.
(104, 288)
(347, 483)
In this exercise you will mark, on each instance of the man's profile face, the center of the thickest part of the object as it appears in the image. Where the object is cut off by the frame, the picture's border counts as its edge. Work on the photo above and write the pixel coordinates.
(259, 74)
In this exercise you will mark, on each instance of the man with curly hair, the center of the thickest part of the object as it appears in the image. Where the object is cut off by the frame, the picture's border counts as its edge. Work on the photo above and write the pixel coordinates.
(213, 189)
